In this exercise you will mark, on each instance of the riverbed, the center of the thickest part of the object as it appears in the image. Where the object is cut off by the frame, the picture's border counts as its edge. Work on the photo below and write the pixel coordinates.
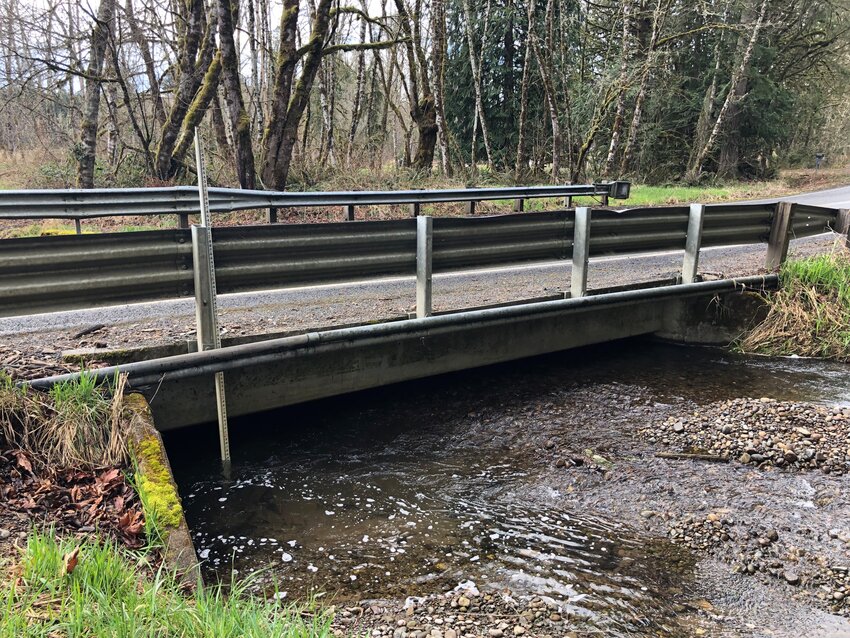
(528, 479)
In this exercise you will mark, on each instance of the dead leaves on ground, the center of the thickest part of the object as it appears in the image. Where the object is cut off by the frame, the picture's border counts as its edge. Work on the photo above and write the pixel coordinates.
(72, 500)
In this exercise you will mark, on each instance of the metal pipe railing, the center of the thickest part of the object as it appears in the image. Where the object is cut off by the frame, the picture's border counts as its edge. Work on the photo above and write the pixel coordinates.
(81, 204)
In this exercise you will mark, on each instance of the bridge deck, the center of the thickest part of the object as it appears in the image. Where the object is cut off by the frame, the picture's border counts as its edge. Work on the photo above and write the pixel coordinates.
(32, 346)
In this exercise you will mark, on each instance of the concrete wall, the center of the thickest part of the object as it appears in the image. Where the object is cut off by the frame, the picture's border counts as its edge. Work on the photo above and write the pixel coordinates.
(322, 368)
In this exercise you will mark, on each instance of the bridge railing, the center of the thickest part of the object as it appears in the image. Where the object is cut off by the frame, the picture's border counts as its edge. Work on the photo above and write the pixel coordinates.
(47, 274)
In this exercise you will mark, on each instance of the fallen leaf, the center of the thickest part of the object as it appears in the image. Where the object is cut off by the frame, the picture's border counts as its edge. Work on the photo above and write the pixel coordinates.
(23, 461)
(109, 476)
(69, 561)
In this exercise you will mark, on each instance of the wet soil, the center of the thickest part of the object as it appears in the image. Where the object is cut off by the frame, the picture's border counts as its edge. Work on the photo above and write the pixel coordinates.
(535, 478)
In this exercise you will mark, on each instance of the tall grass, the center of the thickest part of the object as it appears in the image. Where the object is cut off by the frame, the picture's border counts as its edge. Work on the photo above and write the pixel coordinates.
(810, 314)
(77, 423)
(115, 593)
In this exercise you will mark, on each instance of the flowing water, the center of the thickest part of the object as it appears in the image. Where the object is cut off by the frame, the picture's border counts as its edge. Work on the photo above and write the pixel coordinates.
(411, 489)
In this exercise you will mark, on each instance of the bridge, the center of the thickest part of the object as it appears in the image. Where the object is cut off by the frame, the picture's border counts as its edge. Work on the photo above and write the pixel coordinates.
(152, 269)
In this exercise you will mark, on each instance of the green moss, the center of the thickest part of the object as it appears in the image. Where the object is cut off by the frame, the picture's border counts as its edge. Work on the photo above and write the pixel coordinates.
(155, 485)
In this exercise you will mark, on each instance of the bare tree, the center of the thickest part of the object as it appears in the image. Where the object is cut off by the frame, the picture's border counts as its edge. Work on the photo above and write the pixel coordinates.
(91, 110)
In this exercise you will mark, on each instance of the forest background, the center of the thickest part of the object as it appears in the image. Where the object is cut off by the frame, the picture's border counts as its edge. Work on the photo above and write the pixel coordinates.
(306, 94)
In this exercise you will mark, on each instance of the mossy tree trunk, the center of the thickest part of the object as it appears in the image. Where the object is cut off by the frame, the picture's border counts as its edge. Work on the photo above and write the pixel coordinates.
(197, 52)
(290, 95)
(228, 16)
(196, 111)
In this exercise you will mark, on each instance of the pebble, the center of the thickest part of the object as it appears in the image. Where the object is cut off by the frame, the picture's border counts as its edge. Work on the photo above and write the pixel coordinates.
(791, 577)
(763, 432)
(448, 616)
(4, 533)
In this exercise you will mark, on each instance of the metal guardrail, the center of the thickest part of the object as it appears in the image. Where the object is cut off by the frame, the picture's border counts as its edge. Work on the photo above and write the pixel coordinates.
(44, 274)
(73, 272)
(80, 204)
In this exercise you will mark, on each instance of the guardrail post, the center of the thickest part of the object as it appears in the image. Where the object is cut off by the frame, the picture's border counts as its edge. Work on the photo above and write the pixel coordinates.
(349, 212)
(604, 199)
(415, 209)
(78, 226)
(519, 205)
(183, 220)
(470, 207)
(692, 243)
(581, 252)
(424, 254)
(843, 225)
(568, 202)
(272, 215)
(204, 304)
(780, 235)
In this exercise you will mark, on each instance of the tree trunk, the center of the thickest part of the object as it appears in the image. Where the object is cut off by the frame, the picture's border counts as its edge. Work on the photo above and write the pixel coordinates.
(91, 107)
(438, 16)
(228, 16)
(521, 155)
(422, 107)
(150, 69)
(475, 66)
(547, 73)
(620, 111)
(327, 151)
(727, 163)
(196, 70)
(695, 169)
(207, 92)
(509, 82)
(291, 97)
(637, 116)
(357, 106)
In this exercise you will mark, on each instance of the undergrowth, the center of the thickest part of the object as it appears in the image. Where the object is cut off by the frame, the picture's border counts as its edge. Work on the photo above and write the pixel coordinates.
(76, 423)
(67, 588)
(810, 314)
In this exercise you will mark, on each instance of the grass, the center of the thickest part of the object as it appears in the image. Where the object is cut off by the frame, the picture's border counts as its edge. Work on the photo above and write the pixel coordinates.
(810, 315)
(77, 423)
(111, 592)
(23, 229)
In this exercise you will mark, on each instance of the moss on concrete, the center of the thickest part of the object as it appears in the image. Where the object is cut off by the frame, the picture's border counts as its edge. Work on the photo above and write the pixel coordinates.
(158, 492)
